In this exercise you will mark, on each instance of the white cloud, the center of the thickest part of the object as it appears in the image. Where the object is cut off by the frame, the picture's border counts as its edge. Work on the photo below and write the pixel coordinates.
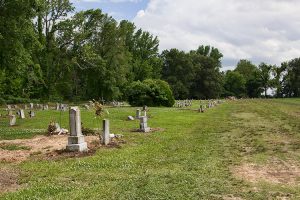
(262, 31)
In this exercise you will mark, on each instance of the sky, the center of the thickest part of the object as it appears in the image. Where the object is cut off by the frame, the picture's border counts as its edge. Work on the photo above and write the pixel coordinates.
(258, 30)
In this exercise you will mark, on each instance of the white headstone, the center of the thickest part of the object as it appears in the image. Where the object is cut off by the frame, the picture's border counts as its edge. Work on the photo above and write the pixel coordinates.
(105, 134)
(130, 118)
(31, 106)
(22, 114)
(12, 120)
(76, 139)
(143, 124)
(31, 114)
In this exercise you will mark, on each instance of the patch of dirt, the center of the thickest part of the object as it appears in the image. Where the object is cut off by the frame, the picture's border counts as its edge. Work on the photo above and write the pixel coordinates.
(37, 145)
(275, 171)
(8, 180)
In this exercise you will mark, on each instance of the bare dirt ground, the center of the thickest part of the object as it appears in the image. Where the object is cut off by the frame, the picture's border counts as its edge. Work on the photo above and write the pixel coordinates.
(37, 145)
(275, 171)
(8, 180)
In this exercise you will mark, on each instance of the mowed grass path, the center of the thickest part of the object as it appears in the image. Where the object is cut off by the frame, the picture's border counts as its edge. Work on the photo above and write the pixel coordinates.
(193, 157)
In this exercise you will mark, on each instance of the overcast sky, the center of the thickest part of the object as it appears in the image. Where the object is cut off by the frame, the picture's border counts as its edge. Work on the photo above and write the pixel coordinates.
(258, 30)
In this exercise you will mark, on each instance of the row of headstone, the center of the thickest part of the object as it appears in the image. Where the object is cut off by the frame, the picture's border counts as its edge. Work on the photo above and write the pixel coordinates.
(61, 107)
(184, 103)
(210, 104)
(20, 113)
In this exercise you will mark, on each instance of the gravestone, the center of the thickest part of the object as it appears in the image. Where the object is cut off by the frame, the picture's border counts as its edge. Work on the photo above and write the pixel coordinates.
(130, 118)
(12, 120)
(76, 139)
(45, 107)
(145, 113)
(87, 106)
(25, 107)
(31, 114)
(31, 106)
(201, 109)
(105, 133)
(22, 114)
(143, 124)
(8, 107)
(145, 108)
(57, 106)
(138, 113)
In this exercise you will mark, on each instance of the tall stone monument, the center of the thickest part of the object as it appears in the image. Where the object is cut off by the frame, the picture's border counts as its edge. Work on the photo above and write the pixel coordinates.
(76, 139)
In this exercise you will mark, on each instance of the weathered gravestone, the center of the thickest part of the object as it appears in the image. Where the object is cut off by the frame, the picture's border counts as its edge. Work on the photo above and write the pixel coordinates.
(31, 106)
(143, 124)
(138, 113)
(57, 106)
(76, 139)
(105, 134)
(22, 114)
(12, 120)
(31, 114)
(201, 109)
(130, 118)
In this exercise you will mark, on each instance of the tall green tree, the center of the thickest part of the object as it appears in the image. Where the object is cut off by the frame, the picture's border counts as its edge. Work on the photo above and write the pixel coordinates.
(265, 76)
(250, 73)
(17, 44)
(178, 71)
(291, 80)
(234, 84)
(208, 80)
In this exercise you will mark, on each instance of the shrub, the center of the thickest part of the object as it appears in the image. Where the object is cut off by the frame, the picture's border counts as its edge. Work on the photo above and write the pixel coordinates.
(150, 92)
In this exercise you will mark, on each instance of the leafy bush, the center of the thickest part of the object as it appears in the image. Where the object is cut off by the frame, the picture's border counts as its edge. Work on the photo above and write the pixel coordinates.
(150, 92)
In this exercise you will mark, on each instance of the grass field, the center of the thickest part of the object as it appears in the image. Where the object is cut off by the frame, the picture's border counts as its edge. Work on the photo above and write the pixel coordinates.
(245, 149)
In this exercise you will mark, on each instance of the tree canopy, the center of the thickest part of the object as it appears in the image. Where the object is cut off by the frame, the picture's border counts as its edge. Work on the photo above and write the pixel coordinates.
(51, 53)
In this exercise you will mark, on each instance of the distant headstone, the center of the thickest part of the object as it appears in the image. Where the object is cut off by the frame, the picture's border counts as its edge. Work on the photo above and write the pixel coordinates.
(31, 106)
(76, 139)
(130, 118)
(105, 134)
(87, 106)
(143, 124)
(138, 113)
(8, 107)
(22, 114)
(31, 114)
(57, 106)
(12, 120)
(201, 109)
(25, 107)
(45, 107)
(145, 108)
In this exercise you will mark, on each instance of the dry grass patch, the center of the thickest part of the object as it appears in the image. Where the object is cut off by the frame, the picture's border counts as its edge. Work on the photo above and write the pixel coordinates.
(276, 171)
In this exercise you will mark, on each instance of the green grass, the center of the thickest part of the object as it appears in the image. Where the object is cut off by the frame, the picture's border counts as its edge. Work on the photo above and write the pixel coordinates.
(13, 147)
(191, 157)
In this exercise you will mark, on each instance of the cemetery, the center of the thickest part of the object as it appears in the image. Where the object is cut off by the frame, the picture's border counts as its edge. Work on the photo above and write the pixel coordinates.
(149, 99)
(257, 141)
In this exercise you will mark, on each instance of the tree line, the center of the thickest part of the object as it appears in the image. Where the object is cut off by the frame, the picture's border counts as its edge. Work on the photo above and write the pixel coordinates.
(50, 52)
